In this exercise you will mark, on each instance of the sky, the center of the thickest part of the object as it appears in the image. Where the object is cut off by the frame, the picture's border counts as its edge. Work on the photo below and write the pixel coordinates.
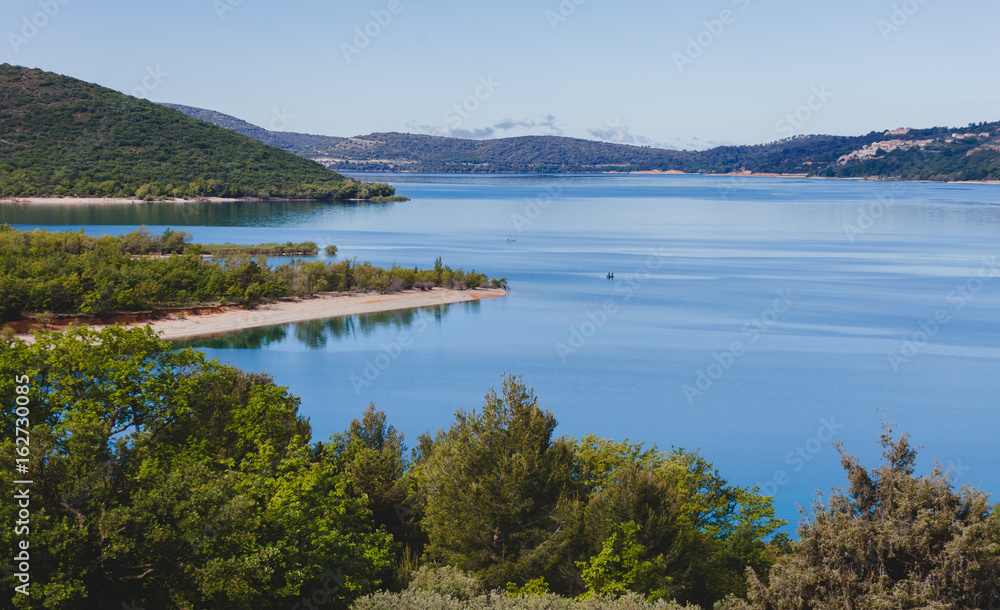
(671, 74)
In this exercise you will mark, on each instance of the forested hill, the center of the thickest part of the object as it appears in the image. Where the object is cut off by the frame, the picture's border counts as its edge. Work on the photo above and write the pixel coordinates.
(60, 136)
(525, 154)
(939, 153)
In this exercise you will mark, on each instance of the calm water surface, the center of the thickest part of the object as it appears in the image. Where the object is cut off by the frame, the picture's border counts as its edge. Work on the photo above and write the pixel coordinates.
(754, 319)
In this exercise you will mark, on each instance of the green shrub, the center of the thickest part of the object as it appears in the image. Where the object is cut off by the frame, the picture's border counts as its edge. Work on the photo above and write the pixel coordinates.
(445, 580)
(891, 540)
(497, 600)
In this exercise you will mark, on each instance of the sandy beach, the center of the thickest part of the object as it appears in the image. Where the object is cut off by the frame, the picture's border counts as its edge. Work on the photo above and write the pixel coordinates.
(301, 310)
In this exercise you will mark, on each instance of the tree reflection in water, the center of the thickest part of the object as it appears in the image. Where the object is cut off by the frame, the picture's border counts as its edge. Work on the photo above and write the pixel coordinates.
(315, 334)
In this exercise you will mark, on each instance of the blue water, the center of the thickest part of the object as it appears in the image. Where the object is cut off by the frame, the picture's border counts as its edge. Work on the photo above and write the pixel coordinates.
(757, 320)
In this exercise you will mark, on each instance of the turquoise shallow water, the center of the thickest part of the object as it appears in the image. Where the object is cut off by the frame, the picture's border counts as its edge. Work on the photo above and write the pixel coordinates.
(755, 319)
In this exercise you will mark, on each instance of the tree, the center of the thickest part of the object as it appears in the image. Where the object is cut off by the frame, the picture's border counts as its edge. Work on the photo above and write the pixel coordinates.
(624, 566)
(375, 461)
(693, 533)
(375, 465)
(492, 484)
(163, 479)
(891, 540)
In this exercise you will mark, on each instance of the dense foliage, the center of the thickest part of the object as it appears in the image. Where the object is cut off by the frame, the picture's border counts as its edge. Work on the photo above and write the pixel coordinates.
(169, 480)
(65, 137)
(892, 540)
(970, 157)
(163, 480)
(504, 500)
(166, 481)
(65, 272)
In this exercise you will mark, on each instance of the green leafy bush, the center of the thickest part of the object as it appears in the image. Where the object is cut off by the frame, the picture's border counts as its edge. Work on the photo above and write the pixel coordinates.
(445, 580)
(891, 540)
(423, 600)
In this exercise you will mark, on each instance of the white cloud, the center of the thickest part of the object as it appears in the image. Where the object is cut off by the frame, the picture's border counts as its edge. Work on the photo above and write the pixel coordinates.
(617, 134)
(547, 125)
(515, 122)
(549, 122)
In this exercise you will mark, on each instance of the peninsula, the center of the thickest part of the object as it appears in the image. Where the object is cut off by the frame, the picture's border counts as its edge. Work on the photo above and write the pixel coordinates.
(208, 321)
(62, 279)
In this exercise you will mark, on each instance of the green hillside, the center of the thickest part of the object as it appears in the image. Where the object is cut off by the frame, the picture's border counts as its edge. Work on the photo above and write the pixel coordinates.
(524, 154)
(60, 136)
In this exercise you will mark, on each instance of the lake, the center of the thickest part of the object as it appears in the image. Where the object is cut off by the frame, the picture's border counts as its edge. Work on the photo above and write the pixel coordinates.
(755, 319)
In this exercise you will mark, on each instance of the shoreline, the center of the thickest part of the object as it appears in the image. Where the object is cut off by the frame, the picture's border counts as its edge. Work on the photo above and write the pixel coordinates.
(677, 172)
(115, 200)
(81, 201)
(657, 172)
(325, 305)
(133, 201)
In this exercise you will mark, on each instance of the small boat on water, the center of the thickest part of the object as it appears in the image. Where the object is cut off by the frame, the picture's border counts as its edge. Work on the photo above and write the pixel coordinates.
(611, 276)
(511, 238)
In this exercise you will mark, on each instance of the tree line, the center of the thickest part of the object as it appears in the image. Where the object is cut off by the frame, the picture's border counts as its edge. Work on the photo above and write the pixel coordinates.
(166, 480)
(972, 158)
(71, 273)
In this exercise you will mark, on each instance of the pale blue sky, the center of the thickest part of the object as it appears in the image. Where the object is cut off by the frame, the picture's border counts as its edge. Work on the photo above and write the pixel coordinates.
(591, 69)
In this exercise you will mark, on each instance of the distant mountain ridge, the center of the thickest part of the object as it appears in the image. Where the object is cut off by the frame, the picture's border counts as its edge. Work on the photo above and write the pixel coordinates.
(938, 153)
(295, 143)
